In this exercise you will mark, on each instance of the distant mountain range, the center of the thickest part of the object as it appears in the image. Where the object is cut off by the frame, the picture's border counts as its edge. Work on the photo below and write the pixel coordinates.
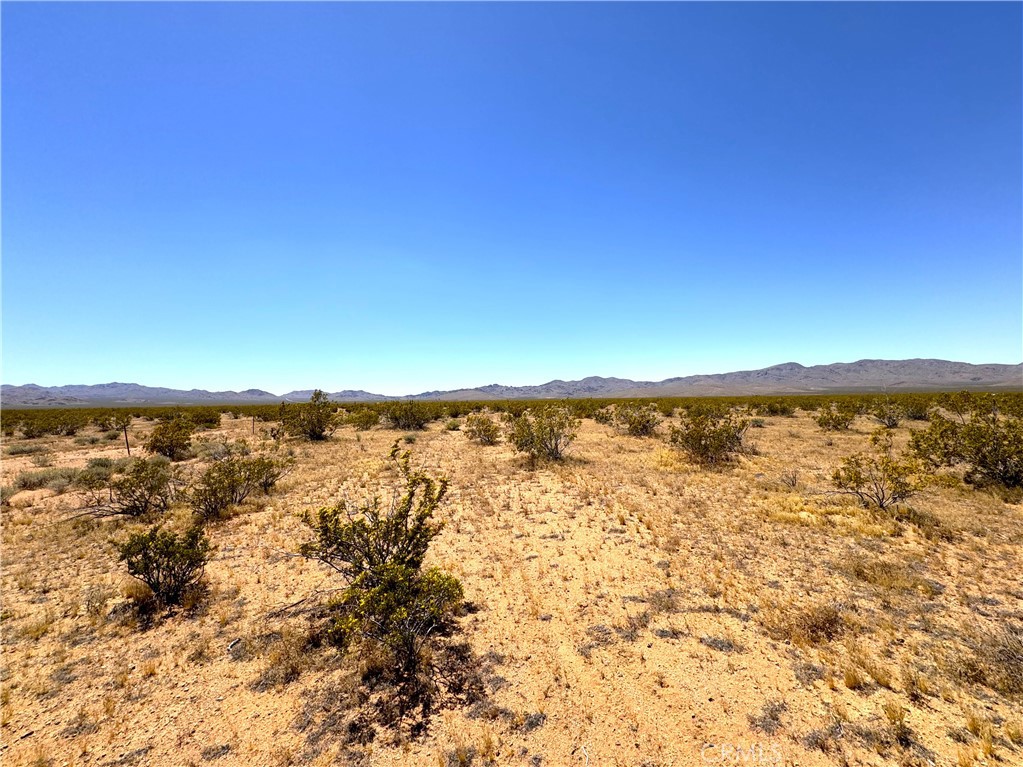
(788, 378)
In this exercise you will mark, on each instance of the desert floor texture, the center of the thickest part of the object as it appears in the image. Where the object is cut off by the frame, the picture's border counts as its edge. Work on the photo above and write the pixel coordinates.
(629, 609)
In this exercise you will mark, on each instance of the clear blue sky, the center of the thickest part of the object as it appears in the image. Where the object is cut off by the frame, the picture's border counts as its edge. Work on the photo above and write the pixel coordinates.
(402, 197)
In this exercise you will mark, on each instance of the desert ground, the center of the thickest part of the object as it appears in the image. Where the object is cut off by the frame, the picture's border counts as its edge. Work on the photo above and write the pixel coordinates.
(627, 608)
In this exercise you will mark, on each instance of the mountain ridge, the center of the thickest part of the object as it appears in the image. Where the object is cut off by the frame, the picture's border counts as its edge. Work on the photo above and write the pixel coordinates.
(784, 378)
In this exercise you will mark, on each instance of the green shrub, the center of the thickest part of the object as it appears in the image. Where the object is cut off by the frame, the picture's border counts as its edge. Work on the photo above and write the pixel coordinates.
(408, 415)
(363, 419)
(171, 439)
(170, 564)
(145, 486)
(379, 551)
(316, 420)
(220, 449)
(223, 484)
(204, 417)
(887, 412)
(267, 470)
(453, 424)
(543, 432)
(67, 423)
(988, 443)
(20, 449)
(604, 416)
(482, 429)
(710, 440)
(835, 417)
(55, 479)
(637, 420)
(882, 479)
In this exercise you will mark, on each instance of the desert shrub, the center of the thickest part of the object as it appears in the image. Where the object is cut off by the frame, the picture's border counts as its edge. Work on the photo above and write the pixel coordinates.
(775, 407)
(316, 420)
(32, 429)
(988, 443)
(142, 486)
(605, 416)
(112, 435)
(171, 439)
(363, 419)
(453, 424)
(204, 417)
(482, 429)
(667, 409)
(916, 407)
(544, 432)
(6, 493)
(67, 423)
(20, 449)
(55, 479)
(887, 412)
(96, 474)
(267, 470)
(710, 440)
(170, 564)
(882, 479)
(835, 417)
(220, 449)
(223, 484)
(637, 420)
(408, 415)
(389, 599)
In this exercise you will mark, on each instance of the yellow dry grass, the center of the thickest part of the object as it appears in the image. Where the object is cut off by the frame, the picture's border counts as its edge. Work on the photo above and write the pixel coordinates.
(633, 610)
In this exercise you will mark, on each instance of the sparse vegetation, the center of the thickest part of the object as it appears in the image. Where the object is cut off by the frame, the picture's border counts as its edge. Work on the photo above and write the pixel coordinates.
(836, 416)
(637, 420)
(978, 436)
(315, 420)
(543, 433)
(409, 415)
(171, 439)
(710, 440)
(881, 480)
(170, 564)
(482, 429)
(389, 600)
(874, 635)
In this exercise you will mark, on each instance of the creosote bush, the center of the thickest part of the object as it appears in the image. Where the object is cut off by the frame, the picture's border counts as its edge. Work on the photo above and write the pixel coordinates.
(144, 486)
(637, 420)
(408, 415)
(230, 481)
(316, 420)
(171, 439)
(363, 419)
(170, 564)
(390, 601)
(835, 417)
(709, 439)
(544, 432)
(881, 480)
(978, 436)
(887, 412)
(482, 429)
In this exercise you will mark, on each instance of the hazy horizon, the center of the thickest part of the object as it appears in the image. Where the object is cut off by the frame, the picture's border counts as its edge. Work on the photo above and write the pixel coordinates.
(403, 392)
(414, 197)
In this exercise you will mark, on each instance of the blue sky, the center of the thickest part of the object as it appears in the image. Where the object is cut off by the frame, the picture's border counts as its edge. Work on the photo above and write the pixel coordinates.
(403, 197)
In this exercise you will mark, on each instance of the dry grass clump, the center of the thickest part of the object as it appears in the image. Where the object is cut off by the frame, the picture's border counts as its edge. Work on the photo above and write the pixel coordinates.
(804, 624)
(995, 659)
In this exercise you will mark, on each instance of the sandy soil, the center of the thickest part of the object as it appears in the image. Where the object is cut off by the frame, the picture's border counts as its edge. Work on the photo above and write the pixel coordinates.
(632, 610)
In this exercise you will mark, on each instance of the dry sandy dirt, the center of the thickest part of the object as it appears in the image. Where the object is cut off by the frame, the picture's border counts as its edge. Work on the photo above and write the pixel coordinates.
(629, 609)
